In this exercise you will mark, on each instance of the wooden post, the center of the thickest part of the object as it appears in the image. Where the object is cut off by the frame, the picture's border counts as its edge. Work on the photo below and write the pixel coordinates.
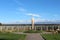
(12, 28)
(18, 29)
(1, 29)
(53, 27)
(41, 28)
(46, 28)
(35, 28)
(58, 26)
(6, 28)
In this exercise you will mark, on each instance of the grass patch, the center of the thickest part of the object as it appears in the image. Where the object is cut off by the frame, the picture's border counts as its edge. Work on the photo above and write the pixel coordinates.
(11, 36)
(33, 31)
(51, 36)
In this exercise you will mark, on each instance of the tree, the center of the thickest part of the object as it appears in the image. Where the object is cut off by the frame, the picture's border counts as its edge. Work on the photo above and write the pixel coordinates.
(0, 23)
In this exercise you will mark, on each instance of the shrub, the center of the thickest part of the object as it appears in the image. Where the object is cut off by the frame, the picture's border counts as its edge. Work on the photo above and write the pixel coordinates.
(32, 31)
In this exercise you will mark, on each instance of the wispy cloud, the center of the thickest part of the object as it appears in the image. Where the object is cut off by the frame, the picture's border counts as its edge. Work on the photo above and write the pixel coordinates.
(40, 20)
(17, 2)
(25, 11)
(31, 14)
(46, 20)
(29, 21)
(18, 22)
(22, 9)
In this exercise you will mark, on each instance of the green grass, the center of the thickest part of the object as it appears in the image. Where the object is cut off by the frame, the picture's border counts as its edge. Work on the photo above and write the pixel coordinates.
(11, 36)
(51, 36)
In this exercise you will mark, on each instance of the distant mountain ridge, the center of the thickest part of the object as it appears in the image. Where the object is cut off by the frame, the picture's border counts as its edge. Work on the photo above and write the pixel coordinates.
(47, 22)
(35, 23)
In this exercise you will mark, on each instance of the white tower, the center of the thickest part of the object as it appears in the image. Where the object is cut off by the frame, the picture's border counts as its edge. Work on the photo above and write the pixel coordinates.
(32, 21)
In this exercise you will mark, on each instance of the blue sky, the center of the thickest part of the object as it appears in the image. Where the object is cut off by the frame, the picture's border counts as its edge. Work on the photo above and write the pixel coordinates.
(21, 10)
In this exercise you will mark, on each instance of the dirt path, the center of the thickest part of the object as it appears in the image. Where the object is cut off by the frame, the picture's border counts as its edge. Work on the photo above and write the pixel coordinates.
(34, 37)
